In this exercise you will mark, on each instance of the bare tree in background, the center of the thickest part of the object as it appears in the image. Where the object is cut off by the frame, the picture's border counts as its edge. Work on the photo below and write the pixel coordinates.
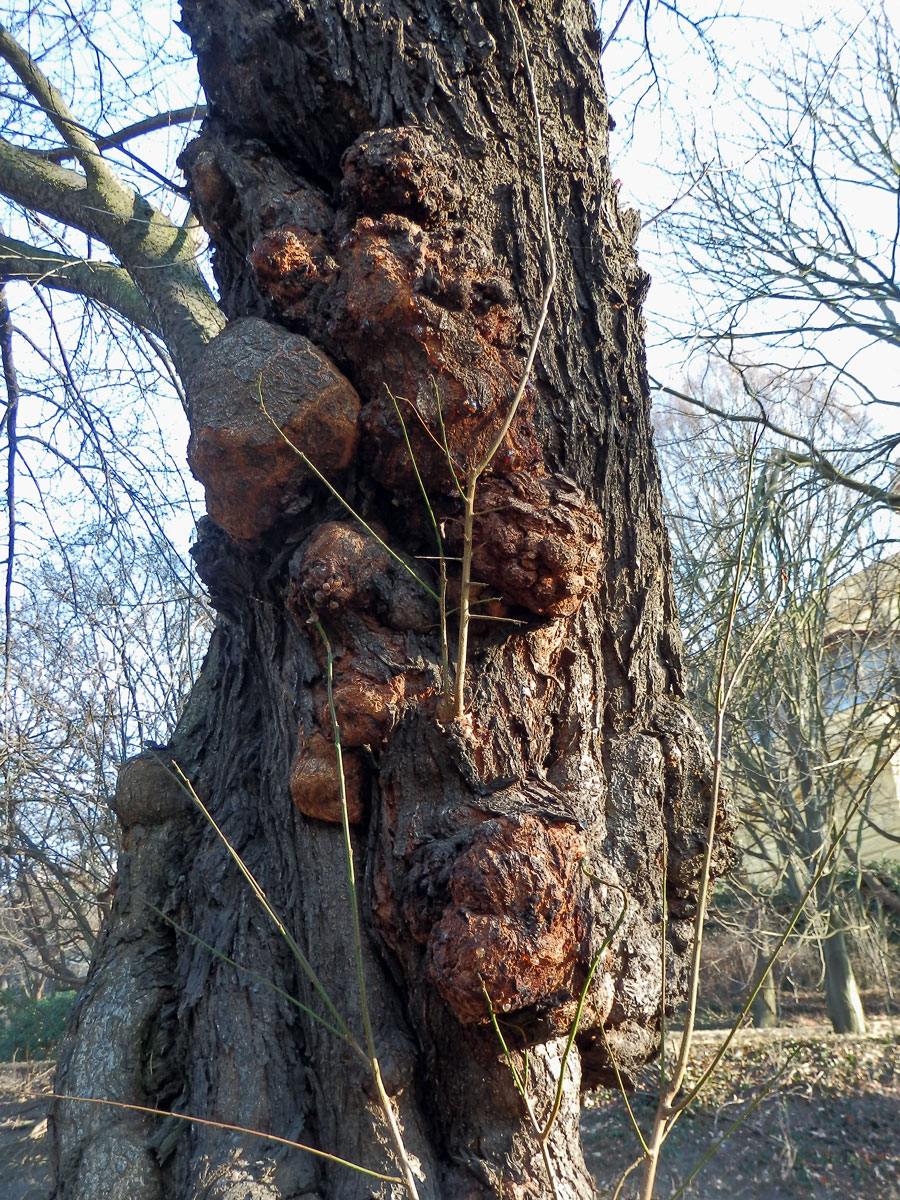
(100, 610)
(95, 674)
(786, 243)
(814, 724)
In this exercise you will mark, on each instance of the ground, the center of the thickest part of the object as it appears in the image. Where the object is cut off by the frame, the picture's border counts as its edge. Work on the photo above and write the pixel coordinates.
(24, 1173)
(828, 1129)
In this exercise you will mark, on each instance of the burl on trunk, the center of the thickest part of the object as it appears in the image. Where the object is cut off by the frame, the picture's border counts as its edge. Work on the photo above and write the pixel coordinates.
(370, 180)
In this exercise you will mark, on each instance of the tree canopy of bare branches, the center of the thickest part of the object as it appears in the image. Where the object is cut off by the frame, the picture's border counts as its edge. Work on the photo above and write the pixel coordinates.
(786, 247)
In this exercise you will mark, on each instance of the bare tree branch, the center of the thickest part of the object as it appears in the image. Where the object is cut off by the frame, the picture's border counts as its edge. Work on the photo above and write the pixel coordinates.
(164, 120)
(100, 175)
(811, 457)
(103, 282)
(159, 256)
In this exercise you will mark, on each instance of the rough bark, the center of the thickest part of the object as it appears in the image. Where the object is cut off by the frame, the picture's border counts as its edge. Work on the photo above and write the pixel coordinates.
(369, 179)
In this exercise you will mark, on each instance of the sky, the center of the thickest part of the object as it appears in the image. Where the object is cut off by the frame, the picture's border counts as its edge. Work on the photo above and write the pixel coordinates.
(708, 87)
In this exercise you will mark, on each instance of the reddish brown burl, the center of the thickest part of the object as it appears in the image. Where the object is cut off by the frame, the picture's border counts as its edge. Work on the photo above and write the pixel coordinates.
(344, 569)
(337, 570)
(433, 326)
(539, 541)
(288, 262)
(513, 924)
(251, 475)
(315, 780)
(367, 710)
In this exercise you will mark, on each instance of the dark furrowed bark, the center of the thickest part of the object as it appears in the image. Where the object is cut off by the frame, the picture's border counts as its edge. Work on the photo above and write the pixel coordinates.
(369, 178)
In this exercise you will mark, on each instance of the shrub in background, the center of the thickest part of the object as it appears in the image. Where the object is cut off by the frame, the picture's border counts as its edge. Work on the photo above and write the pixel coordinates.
(31, 1029)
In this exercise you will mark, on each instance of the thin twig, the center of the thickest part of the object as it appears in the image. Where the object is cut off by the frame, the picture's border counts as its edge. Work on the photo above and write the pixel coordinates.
(663, 1024)
(522, 1089)
(112, 141)
(607, 41)
(442, 590)
(273, 916)
(543, 1131)
(664, 1112)
(256, 976)
(384, 1100)
(723, 694)
(764, 1091)
(573, 1030)
(622, 1092)
(337, 495)
(268, 1137)
(451, 461)
(628, 1170)
(473, 473)
(832, 849)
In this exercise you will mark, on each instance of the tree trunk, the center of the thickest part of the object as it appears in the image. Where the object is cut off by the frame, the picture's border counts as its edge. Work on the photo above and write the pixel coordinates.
(765, 1006)
(842, 998)
(370, 180)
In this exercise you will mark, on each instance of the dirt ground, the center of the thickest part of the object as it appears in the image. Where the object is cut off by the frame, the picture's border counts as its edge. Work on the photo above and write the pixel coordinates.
(829, 1128)
(24, 1171)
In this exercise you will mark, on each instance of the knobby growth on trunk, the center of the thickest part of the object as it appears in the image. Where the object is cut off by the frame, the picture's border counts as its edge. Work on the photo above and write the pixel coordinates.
(369, 178)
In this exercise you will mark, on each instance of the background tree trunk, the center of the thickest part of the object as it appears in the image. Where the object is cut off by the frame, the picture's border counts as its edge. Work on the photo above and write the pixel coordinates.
(765, 1006)
(842, 998)
(368, 175)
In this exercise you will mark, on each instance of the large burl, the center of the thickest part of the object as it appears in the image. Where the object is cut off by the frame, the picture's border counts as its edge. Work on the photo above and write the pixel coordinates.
(344, 576)
(538, 541)
(248, 461)
(483, 898)
(412, 298)
(512, 925)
